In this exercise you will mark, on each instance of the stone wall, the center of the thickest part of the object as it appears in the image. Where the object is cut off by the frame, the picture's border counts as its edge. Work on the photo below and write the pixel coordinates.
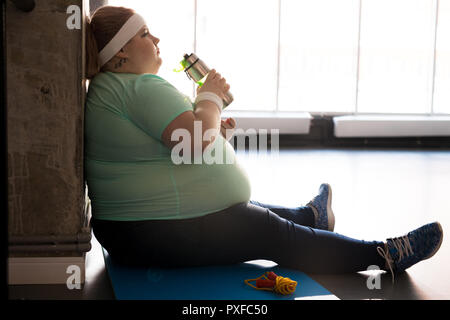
(45, 94)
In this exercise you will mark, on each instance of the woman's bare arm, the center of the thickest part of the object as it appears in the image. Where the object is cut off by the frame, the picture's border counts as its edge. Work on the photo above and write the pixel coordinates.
(206, 112)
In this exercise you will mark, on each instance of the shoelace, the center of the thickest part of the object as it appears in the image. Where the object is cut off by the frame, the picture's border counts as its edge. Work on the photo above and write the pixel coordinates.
(403, 247)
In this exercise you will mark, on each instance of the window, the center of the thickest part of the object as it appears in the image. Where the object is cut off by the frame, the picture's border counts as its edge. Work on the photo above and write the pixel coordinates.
(240, 39)
(396, 56)
(318, 55)
(324, 56)
(441, 97)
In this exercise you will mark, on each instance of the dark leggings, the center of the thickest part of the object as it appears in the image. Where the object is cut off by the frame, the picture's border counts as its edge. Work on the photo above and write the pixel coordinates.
(243, 232)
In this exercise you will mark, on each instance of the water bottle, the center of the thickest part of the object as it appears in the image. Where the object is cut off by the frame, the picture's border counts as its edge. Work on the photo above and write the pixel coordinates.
(196, 70)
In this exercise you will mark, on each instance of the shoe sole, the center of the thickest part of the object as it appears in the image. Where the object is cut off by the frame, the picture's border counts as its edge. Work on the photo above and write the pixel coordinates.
(330, 215)
(439, 245)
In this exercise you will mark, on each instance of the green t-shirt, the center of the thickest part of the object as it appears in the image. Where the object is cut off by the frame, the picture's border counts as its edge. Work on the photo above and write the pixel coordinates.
(129, 170)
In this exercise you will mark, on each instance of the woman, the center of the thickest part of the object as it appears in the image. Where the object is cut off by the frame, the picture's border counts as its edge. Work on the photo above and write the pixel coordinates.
(149, 211)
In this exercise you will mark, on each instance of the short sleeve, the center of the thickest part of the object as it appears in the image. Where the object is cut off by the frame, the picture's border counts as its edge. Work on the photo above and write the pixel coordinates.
(153, 103)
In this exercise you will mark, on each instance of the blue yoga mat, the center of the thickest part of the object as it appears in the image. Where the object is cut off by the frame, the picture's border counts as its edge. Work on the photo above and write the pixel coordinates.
(203, 283)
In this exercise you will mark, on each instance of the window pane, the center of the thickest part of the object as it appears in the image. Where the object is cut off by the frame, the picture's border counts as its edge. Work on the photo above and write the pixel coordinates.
(239, 39)
(396, 57)
(173, 23)
(442, 80)
(318, 55)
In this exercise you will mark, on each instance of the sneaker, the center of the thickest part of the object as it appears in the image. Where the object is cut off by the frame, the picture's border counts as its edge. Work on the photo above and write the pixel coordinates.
(321, 205)
(420, 244)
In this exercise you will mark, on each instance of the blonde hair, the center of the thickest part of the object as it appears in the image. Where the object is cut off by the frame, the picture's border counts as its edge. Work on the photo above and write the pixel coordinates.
(100, 29)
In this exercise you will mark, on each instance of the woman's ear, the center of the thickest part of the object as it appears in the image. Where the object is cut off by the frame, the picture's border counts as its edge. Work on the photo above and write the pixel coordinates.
(121, 54)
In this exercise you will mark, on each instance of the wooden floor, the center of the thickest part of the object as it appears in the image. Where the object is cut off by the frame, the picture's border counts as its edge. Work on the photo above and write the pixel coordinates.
(376, 194)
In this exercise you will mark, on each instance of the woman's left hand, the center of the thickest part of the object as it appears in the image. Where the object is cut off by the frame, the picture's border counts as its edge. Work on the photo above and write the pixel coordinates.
(227, 128)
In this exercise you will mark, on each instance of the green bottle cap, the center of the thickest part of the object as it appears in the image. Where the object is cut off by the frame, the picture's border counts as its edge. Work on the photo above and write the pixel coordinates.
(184, 64)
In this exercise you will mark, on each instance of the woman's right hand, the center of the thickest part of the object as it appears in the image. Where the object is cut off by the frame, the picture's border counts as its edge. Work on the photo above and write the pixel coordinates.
(214, 83)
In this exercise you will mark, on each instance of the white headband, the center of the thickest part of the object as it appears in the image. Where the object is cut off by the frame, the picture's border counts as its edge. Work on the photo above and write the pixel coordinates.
(128, 31)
